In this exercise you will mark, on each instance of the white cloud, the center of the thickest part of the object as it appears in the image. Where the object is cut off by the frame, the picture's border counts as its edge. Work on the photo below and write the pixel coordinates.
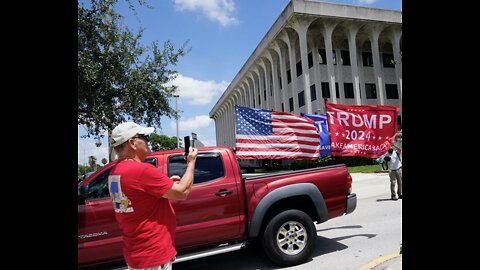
(192, 124)
(215, 10)
(198, 92)
(87, 147)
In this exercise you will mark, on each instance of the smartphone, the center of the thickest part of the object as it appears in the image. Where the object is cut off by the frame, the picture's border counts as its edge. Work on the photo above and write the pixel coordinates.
(186, 140)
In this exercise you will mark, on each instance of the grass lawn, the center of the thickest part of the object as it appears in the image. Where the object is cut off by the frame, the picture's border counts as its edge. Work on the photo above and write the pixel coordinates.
(365, 169)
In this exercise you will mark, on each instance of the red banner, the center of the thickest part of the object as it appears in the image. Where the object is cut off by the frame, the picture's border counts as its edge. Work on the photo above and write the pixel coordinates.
(363, 131)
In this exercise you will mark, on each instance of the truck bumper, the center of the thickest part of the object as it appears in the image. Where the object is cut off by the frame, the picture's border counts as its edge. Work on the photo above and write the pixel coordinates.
(351, 203)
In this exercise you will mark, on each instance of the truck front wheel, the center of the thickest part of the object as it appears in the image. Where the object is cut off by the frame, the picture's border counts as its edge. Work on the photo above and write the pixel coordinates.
(289, 238)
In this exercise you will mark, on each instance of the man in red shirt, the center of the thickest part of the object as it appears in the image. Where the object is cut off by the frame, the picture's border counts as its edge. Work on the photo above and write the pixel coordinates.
(141, 198)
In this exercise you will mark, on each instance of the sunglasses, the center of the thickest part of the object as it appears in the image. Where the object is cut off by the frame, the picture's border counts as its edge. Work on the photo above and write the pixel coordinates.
(142, 136)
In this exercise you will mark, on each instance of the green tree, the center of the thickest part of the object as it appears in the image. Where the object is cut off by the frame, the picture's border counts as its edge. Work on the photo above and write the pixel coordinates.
(82, 170)
(92, 161)
(162, 142)
(119, 78)
(104, 161)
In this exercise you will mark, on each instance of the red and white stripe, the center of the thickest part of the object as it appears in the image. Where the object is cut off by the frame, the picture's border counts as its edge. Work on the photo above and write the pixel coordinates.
(293, 137)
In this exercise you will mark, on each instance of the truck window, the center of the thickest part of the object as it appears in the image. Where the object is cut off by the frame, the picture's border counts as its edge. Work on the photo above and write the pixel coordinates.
(98, 187)
(208, 167)
(152, 161)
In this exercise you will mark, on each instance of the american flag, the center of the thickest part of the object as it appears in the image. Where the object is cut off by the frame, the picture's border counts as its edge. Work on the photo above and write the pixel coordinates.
(262, 134)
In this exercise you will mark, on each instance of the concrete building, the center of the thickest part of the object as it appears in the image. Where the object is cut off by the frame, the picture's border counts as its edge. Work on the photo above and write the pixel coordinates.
(315, 51)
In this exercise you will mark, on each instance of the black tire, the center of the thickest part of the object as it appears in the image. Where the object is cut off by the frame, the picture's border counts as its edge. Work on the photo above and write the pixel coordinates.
(289, 238)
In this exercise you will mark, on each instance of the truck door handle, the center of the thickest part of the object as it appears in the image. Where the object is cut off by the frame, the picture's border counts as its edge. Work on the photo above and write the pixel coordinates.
(223, 192)
(92, 203)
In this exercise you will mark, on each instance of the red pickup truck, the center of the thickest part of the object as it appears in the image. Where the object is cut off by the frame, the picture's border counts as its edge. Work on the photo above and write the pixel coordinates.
(224, 210)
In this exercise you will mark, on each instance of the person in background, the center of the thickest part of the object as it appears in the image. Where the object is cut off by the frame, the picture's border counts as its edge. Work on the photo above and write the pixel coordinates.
(393, 161)
(141, 197)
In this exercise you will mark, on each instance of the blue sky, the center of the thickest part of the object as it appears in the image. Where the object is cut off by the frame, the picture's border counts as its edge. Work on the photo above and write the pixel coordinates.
(222, 34)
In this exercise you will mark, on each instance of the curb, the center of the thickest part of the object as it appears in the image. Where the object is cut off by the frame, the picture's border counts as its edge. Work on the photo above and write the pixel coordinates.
(379, 261)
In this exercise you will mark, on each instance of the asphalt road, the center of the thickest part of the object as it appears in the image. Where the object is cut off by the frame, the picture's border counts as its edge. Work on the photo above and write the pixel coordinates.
(373, 230)
(348, 242)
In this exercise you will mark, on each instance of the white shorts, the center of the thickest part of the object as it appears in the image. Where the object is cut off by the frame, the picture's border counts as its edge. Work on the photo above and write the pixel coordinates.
(167, 266)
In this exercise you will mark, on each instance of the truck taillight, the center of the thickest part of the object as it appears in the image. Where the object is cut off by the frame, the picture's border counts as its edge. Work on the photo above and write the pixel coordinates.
(349, 184)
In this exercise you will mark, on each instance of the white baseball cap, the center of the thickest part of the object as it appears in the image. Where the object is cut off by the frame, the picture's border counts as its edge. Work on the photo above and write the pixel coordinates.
(127, 130)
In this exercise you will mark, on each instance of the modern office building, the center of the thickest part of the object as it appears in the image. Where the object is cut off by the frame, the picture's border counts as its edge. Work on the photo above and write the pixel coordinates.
(315, 51)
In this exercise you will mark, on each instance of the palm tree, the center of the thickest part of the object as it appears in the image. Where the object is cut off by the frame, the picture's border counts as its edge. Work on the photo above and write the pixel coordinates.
(92, 161)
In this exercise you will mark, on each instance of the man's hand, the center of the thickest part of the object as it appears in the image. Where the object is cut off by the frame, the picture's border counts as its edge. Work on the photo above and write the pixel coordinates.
(397, 148)
(183, 186)
(175, 178)
(192, 154)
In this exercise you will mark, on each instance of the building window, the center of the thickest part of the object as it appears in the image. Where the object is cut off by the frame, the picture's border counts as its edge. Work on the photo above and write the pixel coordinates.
(280, 81)
(325, 90)
(259, 100)
(371, 90)
(310, 60)
(323, 56)
(283, 108)
(253, 101)
(345, 58)
(388, 60)
(301, 99)
(299, 68)
(291, 104)
(348, 90)
(265, 95)
(289, 76)
(337, 91)
(367, 59)
(271, 87)
(334, 55)
(392, 91)
(313, 92)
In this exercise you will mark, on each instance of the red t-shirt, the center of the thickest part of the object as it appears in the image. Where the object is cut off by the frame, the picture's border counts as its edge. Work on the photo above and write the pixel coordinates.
(146, 219)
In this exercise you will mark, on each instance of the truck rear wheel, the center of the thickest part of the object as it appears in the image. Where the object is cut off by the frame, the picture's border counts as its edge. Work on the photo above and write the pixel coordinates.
(289, 238)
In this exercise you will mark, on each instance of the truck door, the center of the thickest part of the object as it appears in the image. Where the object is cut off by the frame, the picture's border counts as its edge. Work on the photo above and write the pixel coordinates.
(211, 213)
(99, 236)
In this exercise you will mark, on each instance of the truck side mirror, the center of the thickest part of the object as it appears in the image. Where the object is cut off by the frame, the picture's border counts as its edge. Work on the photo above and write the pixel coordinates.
(82, 194)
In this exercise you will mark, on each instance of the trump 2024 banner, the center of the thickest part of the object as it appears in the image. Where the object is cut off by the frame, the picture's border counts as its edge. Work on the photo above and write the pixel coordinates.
(364, 131)
(322, 126)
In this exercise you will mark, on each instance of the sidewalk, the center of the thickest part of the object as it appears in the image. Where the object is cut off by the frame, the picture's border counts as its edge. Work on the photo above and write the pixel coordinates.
(387, 262)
